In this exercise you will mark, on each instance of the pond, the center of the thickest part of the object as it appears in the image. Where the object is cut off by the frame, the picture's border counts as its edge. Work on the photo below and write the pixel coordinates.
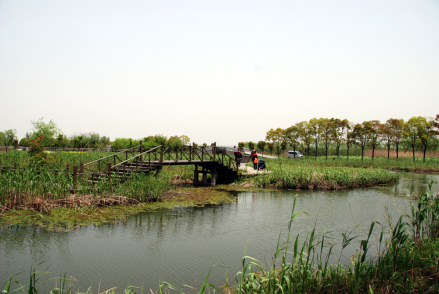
(181, 245)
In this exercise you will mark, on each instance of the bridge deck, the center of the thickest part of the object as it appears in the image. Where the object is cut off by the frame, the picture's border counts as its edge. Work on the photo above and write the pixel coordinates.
(185, 162)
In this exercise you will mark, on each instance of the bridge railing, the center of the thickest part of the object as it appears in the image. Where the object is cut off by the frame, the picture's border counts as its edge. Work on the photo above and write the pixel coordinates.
(199, 153)
(101, 165)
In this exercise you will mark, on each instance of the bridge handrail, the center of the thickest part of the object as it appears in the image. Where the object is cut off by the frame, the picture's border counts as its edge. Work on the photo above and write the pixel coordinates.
(143, 153)
(124, 150)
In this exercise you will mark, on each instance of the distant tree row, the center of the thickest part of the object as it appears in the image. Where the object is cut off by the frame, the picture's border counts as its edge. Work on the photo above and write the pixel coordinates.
(418, 133)
(52, 136)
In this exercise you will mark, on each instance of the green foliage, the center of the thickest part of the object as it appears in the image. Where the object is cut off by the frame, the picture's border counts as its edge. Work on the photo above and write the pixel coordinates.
(10, 137)
(261, 146)
(47, 131)
(304, 174)
(25, 142)
(241, 146)
(2, 139)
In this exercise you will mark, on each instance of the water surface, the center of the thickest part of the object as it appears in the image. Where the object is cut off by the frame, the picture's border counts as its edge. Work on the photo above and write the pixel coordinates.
(180, 245)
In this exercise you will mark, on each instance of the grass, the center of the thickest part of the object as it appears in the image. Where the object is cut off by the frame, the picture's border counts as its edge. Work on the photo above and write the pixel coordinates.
(39, 188)
(407, 261)
(431, 164)
(311, 174)
(69, 218)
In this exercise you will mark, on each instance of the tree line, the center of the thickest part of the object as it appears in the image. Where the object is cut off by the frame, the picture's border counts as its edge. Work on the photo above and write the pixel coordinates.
(417, 133)
(51, 136)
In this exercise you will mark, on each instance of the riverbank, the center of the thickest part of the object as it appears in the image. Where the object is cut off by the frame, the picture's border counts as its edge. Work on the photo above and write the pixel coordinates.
(85, 210)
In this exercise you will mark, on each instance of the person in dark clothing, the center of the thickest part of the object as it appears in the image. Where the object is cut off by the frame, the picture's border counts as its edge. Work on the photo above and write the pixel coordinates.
(238, 157)
(261, 164)
(254, 155)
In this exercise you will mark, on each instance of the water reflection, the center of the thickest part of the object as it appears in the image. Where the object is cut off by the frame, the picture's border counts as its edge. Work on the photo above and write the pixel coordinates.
(181, 244)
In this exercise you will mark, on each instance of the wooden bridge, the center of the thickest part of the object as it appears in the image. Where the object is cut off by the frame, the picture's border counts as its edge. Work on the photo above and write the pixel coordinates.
(215, 161)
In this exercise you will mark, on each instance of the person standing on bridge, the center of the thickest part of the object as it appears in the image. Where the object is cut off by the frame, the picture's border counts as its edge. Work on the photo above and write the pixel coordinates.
(238, 157)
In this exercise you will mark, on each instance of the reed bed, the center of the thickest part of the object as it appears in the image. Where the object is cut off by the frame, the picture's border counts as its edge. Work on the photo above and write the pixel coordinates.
(402, 164)
(402, 154)
(41, 189)
(306, 174)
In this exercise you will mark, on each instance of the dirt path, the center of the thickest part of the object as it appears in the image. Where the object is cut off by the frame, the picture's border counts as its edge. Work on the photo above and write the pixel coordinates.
(249, 170)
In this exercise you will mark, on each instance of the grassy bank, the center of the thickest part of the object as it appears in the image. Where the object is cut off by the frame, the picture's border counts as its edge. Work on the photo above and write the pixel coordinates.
(65, 218)
(431, 164)
(407, 262)
(311, 174)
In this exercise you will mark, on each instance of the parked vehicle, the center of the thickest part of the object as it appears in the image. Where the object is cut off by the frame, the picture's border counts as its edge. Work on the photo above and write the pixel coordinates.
(294, 154)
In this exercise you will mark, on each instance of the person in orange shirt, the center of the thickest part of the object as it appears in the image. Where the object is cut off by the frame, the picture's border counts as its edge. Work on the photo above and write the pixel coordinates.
(255, 163)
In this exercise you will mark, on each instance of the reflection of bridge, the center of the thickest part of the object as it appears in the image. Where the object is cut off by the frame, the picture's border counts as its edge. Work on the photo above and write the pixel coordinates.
(213, 161)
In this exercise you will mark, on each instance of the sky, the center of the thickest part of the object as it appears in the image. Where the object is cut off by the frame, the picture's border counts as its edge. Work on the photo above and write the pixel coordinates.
(217, 71)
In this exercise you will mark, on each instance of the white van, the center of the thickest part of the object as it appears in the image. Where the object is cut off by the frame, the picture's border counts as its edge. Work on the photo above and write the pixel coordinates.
(294, 154)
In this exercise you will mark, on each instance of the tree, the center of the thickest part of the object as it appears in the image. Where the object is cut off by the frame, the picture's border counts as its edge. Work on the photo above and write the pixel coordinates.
(10, 136)
(293, 136)
(184, 139)
(398, 132)
(59, 140)
(276, 136)
(2, 139)
(305, 134)
(339, 129)
(412, 134)
(24, 142)
(361, 136)
(270, 147)
(251, 145)
(350, 138)
(241, 146)
(424, 130)
(387, 133)
(373, 131)
(315, 132)
(283, 146)
(327, 129)
(45, 130)
(261, 146)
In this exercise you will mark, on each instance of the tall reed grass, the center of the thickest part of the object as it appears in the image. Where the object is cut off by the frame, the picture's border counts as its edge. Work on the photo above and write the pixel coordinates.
(40, 188)
(309, 174)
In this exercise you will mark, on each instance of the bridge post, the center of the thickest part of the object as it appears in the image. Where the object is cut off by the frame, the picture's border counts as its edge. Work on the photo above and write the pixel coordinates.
(74, 178)
(190, 153)
(81, 169)
(141, 150)
(161, 154)
(214, 151)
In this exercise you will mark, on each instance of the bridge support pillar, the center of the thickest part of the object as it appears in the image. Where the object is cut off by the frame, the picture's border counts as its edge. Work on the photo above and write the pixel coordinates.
(213, 175)
(196, 175)
(203, 170)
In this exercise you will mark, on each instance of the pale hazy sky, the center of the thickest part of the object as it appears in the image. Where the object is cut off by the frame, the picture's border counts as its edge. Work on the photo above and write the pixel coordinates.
(223, 71)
